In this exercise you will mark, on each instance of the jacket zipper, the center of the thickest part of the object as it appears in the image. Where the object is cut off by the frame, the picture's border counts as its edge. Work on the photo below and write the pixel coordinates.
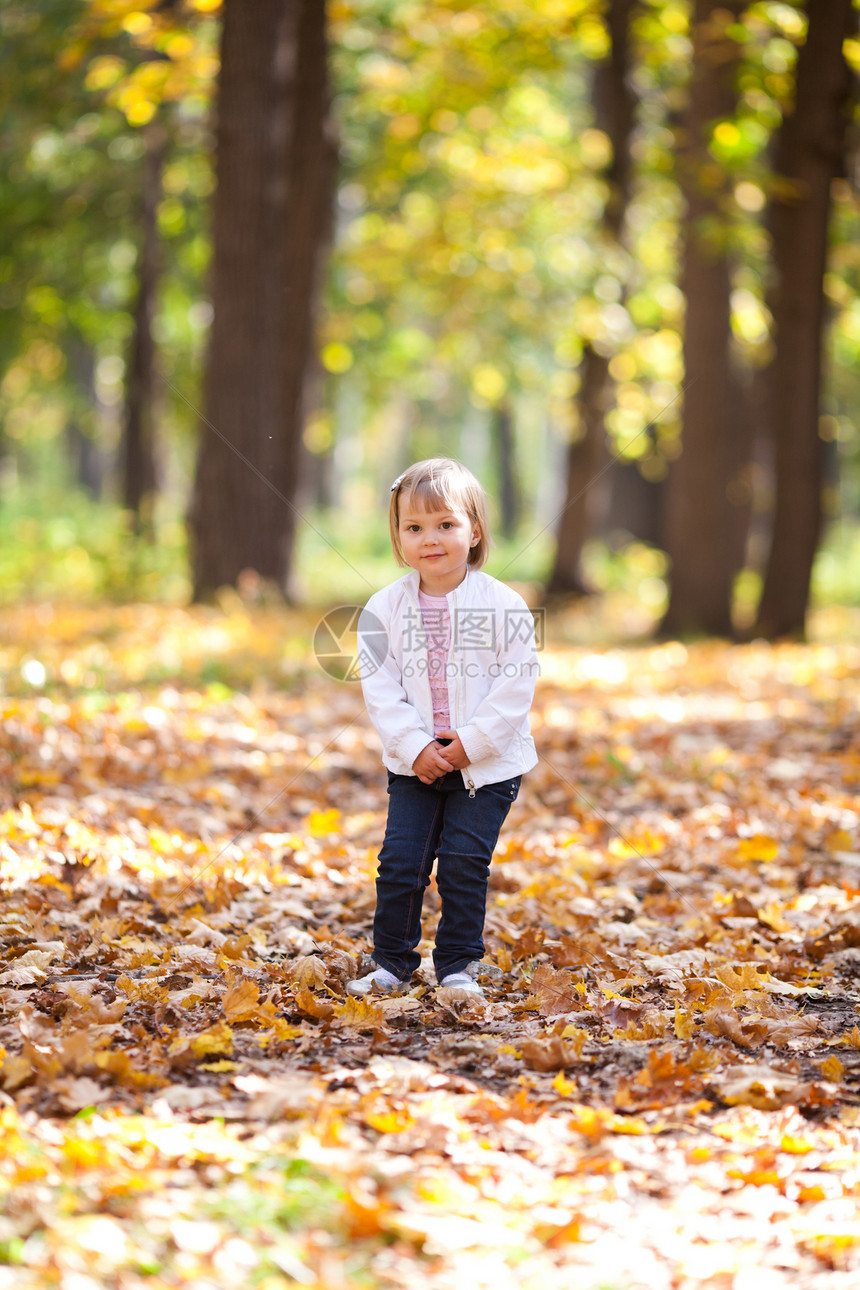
(466, 774)
(468, 778)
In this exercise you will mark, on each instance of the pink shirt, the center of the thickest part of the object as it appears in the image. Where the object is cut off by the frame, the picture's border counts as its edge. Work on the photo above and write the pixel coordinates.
(437, 625)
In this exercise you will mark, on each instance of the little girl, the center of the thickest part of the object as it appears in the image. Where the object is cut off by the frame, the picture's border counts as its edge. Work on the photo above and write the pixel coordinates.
(448, 667)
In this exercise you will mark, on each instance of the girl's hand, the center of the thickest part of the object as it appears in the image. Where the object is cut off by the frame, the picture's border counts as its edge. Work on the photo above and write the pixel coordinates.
(454, 753)
(430, 765)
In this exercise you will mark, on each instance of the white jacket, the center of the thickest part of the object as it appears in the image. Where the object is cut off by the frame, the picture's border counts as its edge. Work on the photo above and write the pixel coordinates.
(491, 672)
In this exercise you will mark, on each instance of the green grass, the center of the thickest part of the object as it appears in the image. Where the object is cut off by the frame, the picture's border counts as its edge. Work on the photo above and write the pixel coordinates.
(57, 544)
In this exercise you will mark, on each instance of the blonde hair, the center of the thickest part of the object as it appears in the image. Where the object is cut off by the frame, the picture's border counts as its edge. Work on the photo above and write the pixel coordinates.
(440, 483)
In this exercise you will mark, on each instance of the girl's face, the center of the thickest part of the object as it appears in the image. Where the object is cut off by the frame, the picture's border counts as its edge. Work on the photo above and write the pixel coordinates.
(437, 544)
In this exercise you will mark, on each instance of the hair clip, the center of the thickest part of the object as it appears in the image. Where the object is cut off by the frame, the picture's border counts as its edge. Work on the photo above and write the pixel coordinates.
(398, 480)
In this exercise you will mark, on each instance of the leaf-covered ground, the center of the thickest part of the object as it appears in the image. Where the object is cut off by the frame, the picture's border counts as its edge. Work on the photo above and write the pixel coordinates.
(661, 1090)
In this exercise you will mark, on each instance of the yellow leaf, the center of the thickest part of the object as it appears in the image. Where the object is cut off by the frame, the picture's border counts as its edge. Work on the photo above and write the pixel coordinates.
(758, 847)
(361, 1013)
(795, 1146)
(389, 1121)
(281, 1030)
(235, 946)
(579, 1036)
(741, 976)
(16, 1071)
(685, 1026)
(772, 916)
(321, 823)
(563, 1085)
(831, 1068)
(217, 1039)
(839, 841)
(119, 1065)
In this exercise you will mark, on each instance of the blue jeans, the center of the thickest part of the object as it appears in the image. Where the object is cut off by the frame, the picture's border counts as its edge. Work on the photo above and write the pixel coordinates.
(436, 821)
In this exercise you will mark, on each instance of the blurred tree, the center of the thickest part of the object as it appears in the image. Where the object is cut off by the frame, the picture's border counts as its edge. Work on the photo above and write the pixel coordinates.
(139, 472)
(274, 175)
(704, 528)
(809, 154)
(87, 460)
(80, 83)
(504, 449)
(615, 114)
(470, 177)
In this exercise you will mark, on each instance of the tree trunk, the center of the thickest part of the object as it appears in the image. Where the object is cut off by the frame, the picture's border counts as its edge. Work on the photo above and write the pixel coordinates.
(585, 459)
(138, 434)
(809, 150)
(502, 432)
(615, 115)
(86, 459)
(704, 535)
(275, 169)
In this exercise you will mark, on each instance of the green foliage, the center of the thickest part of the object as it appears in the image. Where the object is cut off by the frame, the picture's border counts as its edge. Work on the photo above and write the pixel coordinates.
(470, 263)
(56, 543)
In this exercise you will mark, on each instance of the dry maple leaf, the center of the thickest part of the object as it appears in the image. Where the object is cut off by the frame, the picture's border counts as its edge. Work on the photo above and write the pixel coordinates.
(312, 1006)
(725, 1022)
(767, 1088)
(361, 1013)
(551, 1053)
(217, 1040)
(28, 969)
(552, 992)
(240, 1000)
(307, 972)
(676, 967)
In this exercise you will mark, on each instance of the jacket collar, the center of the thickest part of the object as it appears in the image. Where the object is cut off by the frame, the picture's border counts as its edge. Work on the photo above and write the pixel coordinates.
(412, 580)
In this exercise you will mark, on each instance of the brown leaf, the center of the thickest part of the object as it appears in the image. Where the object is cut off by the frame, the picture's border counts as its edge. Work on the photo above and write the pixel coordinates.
(74, 1094)
(279, 1097)
(551, 1053)
(28, 969)
(312, 1006)
(552, 992)
(722, 1021)
(768, 1089)
(240, 999)
(307, 972)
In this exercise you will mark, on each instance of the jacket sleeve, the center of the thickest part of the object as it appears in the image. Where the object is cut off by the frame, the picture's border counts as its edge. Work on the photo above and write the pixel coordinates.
(394, 718)
(499, 718)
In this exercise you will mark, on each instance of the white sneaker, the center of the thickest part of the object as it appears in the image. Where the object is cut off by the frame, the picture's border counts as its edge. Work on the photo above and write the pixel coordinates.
(384, 980)
(463, 981)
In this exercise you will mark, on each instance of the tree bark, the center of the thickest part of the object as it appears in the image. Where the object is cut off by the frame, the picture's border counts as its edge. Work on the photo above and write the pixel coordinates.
(502, 432)
(704, 528)
(138, 459)
(85, 456)
(275, 170)
(615, 114)
(586, 457)
(809, 150)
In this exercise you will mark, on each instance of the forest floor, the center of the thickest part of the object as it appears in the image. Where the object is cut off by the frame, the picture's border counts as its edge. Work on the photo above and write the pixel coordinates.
(661, 1090)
